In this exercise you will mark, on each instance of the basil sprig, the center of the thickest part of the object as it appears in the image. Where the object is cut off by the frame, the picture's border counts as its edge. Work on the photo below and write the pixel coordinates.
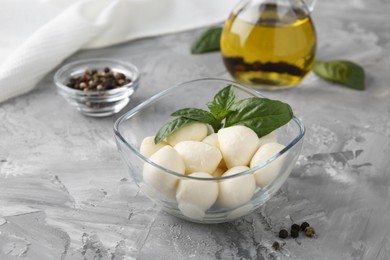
(207, 41)
(341, 71)
(262, 115)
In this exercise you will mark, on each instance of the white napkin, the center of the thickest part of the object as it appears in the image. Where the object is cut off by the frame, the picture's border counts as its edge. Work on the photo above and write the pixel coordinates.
(37, 35)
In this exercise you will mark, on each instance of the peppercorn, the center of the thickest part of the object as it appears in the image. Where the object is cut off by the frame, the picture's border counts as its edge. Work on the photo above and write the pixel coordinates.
(295, 227)
(310, 232)
(304, 225)
(294, 233)
(283, 233)
(276, 245)
(106, 69)
(119, 75)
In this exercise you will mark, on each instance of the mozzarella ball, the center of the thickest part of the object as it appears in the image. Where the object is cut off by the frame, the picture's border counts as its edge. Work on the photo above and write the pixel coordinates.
(162, 181)
(212, 140)
(192, 132)
(236, 191)
(268, 173)
(269, 138)
(148, 147)
(198, 156)
(195, 196)
(237, 145)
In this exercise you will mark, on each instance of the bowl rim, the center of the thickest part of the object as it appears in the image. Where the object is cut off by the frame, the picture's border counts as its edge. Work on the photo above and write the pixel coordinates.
(161, 94)
(130, 67)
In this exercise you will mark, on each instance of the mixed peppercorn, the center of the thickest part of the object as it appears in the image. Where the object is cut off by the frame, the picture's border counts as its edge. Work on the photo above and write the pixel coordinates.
(93, 80)
(295, 228)
(294, 233)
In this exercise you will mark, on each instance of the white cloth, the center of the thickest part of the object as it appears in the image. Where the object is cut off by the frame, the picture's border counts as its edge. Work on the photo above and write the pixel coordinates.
(37, 35)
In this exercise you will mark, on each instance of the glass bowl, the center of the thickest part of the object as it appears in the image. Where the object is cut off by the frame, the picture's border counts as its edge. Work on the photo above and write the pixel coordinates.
(147, 118)
(97, 103)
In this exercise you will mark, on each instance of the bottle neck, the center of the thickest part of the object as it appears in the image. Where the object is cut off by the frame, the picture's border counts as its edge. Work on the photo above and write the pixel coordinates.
(306, 6)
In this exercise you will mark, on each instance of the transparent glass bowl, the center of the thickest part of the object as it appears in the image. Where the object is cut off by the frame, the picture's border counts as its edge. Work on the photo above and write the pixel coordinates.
(97, 103)
(145, 120)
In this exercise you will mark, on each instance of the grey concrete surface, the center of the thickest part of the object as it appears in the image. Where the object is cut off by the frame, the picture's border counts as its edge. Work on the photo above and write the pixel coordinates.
(65, 193)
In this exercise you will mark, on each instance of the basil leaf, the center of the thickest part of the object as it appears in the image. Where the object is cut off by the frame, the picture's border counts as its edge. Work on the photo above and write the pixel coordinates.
(170, 127)
(341, 71)
(262, 115)
(208, 41)
(200, 116)
(195, 114)
(223, 101)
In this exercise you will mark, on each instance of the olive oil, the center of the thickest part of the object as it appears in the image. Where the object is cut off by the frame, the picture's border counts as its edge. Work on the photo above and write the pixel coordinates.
(269, 47)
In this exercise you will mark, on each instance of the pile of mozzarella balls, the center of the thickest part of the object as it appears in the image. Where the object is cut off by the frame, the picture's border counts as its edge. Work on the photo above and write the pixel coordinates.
(194, 151)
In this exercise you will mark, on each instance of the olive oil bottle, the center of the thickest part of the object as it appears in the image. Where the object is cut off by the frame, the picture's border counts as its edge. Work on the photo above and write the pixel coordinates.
(269, 45)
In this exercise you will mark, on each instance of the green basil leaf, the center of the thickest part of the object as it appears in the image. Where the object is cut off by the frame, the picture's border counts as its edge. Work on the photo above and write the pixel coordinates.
(262, 115)
(223, 101)
(341, 71)
(208, 41)
(170, 127)
(195, 114)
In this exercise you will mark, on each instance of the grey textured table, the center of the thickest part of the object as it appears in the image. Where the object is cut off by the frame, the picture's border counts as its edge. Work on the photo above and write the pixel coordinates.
(65, 194)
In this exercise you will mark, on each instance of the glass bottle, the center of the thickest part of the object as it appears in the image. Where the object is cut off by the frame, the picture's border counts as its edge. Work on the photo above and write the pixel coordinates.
(269, 44)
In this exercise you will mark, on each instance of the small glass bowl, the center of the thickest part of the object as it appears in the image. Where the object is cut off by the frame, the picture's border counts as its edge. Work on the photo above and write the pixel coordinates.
(147, 118)
(97, 103)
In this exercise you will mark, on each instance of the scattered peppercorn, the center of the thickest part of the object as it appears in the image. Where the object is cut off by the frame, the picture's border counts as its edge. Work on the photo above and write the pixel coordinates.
(283, 233)
(93, 80)
(304, 225)
(295, 227)
(310, 232)
(276, 245)
(294, 233)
